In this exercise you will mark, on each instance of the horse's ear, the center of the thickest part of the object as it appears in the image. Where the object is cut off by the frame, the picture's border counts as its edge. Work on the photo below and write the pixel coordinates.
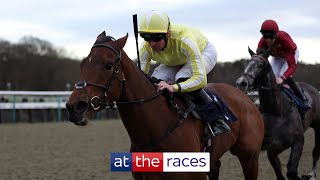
(122, 41)
(267, 53)
(250, 51)
(100, 36)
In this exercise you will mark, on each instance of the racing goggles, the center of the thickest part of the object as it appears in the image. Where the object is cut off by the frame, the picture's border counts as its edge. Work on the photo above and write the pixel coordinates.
(153, 37)
(269, 36)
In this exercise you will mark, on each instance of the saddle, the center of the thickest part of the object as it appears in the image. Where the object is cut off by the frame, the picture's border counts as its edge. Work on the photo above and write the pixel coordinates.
(213, 110)
(210, 113)
(298, 102)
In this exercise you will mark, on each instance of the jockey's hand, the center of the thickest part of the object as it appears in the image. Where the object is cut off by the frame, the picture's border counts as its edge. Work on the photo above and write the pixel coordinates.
(279, 80)
(163, 85)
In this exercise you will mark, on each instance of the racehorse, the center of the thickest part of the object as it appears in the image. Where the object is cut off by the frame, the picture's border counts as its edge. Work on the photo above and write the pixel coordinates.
(284, 127)
(108, 75)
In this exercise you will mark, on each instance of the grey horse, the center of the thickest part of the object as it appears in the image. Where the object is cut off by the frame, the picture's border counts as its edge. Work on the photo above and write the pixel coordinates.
(284, 127)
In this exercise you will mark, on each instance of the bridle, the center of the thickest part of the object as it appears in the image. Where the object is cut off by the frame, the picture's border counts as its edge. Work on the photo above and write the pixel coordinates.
(108, 87)
(257, 79)
(102, 102)
(181, 115)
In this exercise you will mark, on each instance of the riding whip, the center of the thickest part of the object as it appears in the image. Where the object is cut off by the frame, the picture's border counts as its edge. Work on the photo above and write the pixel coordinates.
(135, 28)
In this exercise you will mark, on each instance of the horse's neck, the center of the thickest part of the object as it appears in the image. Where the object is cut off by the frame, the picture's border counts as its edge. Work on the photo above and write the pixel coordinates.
(270, 96)
(144, 121)
(136, 86)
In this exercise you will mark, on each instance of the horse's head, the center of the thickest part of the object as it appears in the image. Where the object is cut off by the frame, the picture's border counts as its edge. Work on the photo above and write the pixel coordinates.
(101, 79)
(255, 73)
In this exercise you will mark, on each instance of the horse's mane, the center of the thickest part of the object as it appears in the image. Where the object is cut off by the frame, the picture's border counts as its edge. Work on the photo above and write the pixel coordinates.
(106, 38)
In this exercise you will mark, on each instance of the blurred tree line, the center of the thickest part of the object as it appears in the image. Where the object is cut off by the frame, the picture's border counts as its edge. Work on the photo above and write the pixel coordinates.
(35, 64)
(229, 72)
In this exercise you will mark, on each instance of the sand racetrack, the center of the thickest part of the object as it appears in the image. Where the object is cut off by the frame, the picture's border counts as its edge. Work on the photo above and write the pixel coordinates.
(63, 151)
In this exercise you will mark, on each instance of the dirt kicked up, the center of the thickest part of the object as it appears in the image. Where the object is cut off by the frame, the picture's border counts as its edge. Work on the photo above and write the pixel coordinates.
(59, 151)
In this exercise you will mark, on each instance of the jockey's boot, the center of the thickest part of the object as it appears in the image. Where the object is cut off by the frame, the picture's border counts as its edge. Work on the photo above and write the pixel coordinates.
(201, 99)
(298, 92)
(219, 127)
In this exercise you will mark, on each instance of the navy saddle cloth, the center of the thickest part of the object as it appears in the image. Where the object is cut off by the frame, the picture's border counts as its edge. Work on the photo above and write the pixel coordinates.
(215, 109)
(295, 99)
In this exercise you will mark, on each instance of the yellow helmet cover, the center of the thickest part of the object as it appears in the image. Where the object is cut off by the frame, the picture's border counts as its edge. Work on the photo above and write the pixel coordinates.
(154, 22)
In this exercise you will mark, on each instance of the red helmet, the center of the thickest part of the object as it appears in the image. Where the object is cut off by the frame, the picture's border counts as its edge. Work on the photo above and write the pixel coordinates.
(269, 25)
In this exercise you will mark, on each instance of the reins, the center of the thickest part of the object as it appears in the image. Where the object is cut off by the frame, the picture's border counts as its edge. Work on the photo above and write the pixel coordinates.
(140, 100)
(262, 84)
(181, 115)
(83, 84)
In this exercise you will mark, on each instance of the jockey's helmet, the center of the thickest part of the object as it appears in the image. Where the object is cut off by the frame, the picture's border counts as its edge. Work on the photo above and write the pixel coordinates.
(269, 26)
(154, 22)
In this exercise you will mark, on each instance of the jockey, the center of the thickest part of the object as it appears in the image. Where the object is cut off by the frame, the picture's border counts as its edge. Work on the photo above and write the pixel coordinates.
(284, 54)
(185, 56)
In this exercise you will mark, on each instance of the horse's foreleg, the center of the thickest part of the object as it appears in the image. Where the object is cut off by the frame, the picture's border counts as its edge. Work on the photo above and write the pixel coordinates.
(315, 152)
(275, 162)
(214, 170)
(296, 152)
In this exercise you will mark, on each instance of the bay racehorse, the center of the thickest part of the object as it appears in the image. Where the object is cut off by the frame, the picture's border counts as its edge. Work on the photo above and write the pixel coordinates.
(284, 127)
(108, 75)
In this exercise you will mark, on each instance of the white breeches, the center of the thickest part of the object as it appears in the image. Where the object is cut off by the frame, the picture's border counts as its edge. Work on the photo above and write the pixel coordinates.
(280, 65)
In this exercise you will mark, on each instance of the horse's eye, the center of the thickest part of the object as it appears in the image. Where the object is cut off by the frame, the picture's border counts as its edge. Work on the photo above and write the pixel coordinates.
(109, 66)
(260, 65)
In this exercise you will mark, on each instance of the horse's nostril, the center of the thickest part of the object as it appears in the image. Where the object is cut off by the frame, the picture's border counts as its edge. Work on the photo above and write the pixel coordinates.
(243, 84)
(78, 107)
(69, 107)
(81, 106)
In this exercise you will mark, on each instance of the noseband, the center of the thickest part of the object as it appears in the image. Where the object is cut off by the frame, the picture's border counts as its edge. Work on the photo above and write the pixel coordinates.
(107, 88)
